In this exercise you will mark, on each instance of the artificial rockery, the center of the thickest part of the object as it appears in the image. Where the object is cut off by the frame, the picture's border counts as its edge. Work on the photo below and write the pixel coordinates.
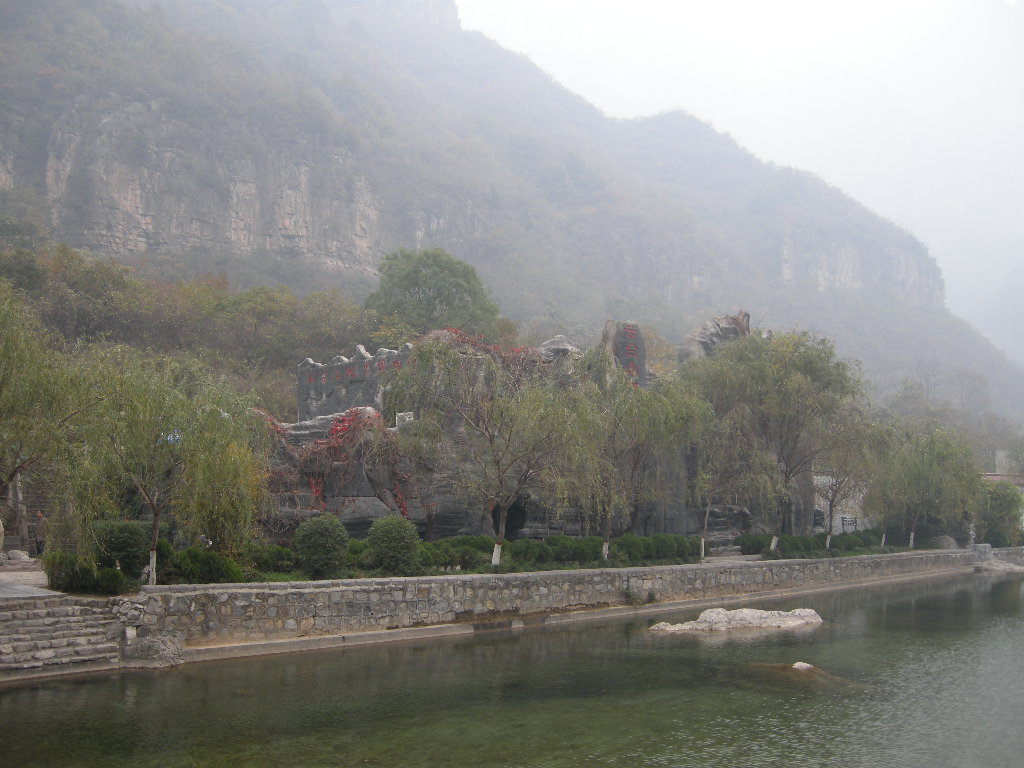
(341, 458)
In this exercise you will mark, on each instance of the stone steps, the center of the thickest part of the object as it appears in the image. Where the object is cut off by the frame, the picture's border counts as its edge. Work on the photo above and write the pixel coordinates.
(50, 635)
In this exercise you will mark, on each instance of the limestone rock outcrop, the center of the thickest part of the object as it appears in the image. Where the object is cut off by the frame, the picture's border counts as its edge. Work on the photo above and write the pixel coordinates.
(703, 341)
(722, 619)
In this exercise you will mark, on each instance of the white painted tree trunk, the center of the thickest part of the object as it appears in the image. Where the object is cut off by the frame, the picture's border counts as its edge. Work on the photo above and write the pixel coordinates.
(775, 543)
(883, 539)
(496, 554)
(702, 548)
(152, 567)
(604, 549)
(911, 539)
(828, 541)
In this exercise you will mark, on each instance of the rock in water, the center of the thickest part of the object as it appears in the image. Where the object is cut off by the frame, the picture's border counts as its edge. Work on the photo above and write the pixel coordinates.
(720, 619)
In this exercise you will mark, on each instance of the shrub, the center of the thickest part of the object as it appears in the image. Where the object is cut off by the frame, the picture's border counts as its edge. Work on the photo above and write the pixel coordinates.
(441, 555)
(588, 550)
(111, 581)
(471, 559)
(393, 545)
(664, 546)
(320, 543)
(628, 547)
(753, 543)
(524, 551)
(124, 544)
(270, 558)
(484, 544)
(846, 541)
(795, 544)
(563, 548)
(871, 538)
(166, 564)
(204, 566)
(67, 572)
(356, 553)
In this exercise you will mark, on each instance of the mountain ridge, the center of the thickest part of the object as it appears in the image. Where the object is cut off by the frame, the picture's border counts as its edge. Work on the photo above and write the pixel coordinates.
(302, 141)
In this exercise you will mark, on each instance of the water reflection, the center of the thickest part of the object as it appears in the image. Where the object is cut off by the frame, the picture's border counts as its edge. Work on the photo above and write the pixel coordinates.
(915, 674)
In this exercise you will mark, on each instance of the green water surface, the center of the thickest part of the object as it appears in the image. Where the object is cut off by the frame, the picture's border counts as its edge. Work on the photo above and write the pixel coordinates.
(928, 674)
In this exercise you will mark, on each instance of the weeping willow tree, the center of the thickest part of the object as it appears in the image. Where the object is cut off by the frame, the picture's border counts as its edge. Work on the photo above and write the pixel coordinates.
(42, 402)
(780, 395)
(173, 437)
(639, 443)
(929, 473)
(495, 426)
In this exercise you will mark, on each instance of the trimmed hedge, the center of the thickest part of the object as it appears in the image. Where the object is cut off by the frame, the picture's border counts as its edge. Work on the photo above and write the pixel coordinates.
(320, 544)
(393, 546)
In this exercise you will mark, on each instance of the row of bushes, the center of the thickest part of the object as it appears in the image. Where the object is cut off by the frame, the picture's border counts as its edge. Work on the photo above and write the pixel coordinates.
(392, 547)
(322, 549)
(76, 573)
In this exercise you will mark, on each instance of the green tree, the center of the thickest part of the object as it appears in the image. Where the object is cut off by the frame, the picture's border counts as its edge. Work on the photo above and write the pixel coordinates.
(846, 466)
(177, 439)
(427, 290)
(637, 443)
(41, 400)
(783, 394)
(928, 473)
(999, 514)
(493, 427)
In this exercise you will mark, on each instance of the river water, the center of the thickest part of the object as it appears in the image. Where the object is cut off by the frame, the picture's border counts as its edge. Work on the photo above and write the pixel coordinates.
(921, 674)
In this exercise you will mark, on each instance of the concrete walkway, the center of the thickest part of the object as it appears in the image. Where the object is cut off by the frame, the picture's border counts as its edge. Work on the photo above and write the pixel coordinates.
(23, 578)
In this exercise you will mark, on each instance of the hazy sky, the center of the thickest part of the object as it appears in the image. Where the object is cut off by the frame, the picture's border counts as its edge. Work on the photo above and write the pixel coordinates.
(913, 107)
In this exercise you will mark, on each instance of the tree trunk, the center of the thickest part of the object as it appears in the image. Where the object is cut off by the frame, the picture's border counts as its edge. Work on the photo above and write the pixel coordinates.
(500, 540)
(606, 536)
(18, 502)
(152, 545)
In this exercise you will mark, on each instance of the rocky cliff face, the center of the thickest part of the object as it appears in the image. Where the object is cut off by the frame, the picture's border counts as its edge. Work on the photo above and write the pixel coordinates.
(824, 262)
(123, 178)
(335, 135)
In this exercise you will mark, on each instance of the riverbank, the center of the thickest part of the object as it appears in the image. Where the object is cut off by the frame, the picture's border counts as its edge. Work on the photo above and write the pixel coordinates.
(172, 624)
(169, 625)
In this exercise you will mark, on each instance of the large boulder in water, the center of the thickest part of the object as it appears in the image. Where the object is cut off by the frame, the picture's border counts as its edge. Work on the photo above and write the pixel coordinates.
(721, 619)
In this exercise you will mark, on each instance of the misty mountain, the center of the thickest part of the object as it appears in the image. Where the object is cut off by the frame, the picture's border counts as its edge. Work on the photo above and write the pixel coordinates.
(298, 141)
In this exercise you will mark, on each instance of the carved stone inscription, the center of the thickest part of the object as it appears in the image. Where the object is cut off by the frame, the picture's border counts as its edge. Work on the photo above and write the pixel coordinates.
(626, 344)
(343, 383)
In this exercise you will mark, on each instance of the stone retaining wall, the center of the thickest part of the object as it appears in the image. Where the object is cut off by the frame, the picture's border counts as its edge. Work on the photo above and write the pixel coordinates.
(1011, 555)
(234, 613)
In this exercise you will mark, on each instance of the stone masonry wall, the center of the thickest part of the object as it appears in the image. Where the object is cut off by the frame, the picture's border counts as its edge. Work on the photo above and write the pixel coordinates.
(1011, 555)
(272, 611)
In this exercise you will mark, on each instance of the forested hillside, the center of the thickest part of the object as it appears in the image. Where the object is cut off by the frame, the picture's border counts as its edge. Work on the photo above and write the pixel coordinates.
(299, 141)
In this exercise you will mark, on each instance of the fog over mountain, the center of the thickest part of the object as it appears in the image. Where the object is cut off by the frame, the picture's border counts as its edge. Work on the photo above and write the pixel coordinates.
(911, 106)
(299, 141)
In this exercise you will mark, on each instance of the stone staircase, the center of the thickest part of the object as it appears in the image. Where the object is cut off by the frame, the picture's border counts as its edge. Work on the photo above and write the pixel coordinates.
(57, 635)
